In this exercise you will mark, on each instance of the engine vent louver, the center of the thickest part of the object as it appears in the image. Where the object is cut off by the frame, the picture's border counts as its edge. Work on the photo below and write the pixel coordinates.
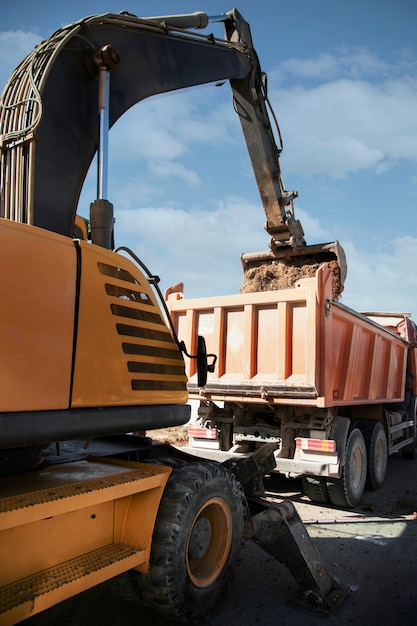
(117, 272)
(154, 361)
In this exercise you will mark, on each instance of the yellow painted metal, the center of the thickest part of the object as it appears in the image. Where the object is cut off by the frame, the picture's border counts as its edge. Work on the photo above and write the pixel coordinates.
(125, 354)
(54, 540)
(36, 317)
(34, 594)
(67, 528)
(205, 570)
(81, 227)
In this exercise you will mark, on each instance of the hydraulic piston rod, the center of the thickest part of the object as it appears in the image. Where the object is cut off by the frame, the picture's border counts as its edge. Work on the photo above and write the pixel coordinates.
(101, 210)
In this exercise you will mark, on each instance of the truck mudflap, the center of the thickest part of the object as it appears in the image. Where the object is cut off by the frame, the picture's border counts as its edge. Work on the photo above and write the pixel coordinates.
(277, 528)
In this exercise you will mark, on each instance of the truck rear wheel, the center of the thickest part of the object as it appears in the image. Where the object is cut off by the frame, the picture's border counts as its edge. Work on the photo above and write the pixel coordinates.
(315, 488)
(376, 452)
(347, 491)
(196, 542)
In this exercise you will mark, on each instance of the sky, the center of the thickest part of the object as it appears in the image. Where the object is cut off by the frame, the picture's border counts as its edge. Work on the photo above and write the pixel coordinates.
(342, 79)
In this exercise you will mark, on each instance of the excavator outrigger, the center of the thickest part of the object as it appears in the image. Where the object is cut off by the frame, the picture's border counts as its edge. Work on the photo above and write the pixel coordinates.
(88, 355)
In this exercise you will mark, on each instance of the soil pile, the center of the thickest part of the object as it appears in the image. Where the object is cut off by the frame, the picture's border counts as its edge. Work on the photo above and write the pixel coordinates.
(174, 435)
(274, 274)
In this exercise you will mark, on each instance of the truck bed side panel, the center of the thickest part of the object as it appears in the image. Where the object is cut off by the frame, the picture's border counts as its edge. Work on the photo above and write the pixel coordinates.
(363, 362)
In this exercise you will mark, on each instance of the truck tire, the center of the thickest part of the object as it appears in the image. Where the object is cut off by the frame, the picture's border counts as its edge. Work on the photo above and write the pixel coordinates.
(315, 489)
(196, 543)
(376, 453)
(347, 490)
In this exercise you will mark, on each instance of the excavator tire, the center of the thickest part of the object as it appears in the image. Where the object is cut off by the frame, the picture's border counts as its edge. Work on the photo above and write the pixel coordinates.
(347, 490)
(315, 489)
(376, 452)
(196, 543)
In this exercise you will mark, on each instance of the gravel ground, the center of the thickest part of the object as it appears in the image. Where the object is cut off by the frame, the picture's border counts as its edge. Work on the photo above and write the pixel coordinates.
(372, 549)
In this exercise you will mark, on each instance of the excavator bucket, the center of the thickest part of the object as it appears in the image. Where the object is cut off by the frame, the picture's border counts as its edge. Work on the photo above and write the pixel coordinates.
(283, 266)
(277, 528)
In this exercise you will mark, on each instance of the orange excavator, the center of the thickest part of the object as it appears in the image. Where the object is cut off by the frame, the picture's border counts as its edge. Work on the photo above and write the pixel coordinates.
(89, 359)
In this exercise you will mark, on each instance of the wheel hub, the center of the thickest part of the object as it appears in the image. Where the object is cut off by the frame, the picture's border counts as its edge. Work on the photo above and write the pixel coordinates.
(200, 538)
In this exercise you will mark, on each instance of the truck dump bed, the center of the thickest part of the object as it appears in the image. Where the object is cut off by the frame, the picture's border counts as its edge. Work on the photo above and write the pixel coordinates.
(292, 346)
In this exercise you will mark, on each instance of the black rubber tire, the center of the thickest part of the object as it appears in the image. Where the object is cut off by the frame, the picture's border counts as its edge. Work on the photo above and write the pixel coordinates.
(376, 453)
(315, 489)
(347, 491)
(196, 543)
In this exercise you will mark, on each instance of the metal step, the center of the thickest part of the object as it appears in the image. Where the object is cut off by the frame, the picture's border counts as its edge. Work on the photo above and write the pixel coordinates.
(69, 527)
(71, 486)
(40, 591)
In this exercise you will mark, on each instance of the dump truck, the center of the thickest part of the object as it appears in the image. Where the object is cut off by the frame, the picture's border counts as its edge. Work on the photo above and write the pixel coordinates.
(90, 360)
(333, 389)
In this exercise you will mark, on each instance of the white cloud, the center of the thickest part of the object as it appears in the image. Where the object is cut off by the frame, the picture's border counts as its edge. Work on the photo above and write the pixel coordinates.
(315, 231)
(344, 62)
(14, 46)
(383, 280)
(199, 247)
(138, 135)
(346, 126)
(202, 249)
(169, 126)
(164, 169)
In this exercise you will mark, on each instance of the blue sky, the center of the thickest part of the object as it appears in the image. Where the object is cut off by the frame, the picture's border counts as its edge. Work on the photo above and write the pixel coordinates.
(342, 79)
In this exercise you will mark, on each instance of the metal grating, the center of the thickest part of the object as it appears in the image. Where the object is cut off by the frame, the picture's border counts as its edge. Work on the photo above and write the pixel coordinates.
(74, 489)
(42, 583)
(151, 367)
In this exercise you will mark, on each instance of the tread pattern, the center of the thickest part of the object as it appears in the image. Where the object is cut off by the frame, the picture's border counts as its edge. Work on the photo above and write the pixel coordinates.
(315, 489)
(168, 588)
(342, 492)
(371, 430)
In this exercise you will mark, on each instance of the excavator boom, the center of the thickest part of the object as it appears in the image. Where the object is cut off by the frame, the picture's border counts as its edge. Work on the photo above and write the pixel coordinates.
(44, 161)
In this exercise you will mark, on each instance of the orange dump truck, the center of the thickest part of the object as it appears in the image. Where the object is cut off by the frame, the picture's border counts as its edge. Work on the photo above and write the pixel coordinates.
(333, 388)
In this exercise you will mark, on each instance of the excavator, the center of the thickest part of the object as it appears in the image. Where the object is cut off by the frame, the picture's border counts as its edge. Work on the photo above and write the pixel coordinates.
(90, 361)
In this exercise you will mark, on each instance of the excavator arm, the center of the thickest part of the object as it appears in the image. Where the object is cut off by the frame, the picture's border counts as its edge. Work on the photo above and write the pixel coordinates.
(49, 111)
(251, 99)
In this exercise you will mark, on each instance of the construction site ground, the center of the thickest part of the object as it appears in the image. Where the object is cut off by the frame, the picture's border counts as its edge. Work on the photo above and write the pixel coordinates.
(372, 549)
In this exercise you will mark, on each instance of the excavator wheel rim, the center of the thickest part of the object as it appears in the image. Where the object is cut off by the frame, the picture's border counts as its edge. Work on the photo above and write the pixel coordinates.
(203, 571)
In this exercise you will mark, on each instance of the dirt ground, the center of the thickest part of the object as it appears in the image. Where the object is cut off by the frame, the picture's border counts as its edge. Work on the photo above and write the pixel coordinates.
(372, 549)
